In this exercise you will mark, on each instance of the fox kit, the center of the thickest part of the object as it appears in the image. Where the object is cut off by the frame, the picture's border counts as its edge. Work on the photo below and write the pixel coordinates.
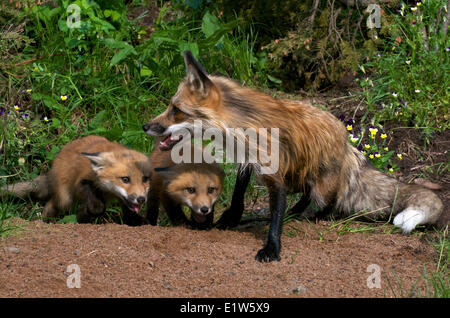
(92, 171)
(195, 185)
(315, 157)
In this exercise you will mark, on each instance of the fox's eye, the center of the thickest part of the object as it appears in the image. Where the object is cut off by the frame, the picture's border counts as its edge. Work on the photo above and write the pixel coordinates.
(190, 190)
(211, 190)
(175, 110)
(145, 179)
(125, 179)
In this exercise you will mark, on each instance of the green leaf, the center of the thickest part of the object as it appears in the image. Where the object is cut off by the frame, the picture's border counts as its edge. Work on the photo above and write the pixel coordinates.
(62, 24)
(114, 44)
(73, 42)
(387, 156)
(210, 24)
(36, 96)
(50, 102)
(145, 71)
(72, 218)
(96, 122)
(219, 33)
(273, 79)
(122, 54)
(52, 153)
(56, 123)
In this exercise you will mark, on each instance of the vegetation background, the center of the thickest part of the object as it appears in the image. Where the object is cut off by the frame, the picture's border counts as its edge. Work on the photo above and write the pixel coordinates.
(120, 65)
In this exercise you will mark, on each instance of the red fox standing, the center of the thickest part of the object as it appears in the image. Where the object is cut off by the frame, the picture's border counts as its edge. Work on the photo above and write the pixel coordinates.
(196, 185)
(315, 156)
(92, 171)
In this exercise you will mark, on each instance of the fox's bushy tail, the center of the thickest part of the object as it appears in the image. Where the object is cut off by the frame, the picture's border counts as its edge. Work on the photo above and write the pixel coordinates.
(37, 189)
(380, 196)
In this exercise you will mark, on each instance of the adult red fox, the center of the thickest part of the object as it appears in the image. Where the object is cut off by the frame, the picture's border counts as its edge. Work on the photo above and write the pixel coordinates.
(195, 185)
(314, 155)
(92, 171)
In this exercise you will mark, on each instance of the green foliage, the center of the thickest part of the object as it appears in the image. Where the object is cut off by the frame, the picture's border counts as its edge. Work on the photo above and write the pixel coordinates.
(106, 77)
(322, 47)
(410, 77)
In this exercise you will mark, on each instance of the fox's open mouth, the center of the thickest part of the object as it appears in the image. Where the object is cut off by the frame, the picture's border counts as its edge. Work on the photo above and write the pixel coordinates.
(170, 141)
(199, 218)
(135, 207)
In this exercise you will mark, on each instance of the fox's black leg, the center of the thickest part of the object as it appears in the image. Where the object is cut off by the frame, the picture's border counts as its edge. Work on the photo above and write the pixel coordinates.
(152, 207)
(174, 212)
(232, 216)
(91, 201)
(277, 194)
(130, 217)
(301, 205)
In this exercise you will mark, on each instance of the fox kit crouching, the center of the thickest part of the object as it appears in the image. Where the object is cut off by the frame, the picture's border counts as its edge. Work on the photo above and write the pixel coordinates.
(195, 185)
(92, 171)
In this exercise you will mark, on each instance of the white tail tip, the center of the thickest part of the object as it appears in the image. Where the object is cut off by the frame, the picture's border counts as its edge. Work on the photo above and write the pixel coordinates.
(408, 219)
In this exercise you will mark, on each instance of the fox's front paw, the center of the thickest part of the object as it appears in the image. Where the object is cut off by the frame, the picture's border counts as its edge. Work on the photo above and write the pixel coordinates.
(95, 207)
(133, 219)
(229, 219)
(205, 225)
(268, 254)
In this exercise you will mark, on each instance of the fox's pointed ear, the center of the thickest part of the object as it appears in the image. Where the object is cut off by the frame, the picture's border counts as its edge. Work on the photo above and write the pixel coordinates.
(197, 77)
(99, 160)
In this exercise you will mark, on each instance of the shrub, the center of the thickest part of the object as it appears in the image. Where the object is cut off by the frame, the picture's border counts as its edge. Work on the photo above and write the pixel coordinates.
(410, 77)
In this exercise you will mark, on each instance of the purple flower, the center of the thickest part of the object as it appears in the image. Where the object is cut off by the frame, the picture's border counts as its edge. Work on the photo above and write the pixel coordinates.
(341, 117)
(2, 111)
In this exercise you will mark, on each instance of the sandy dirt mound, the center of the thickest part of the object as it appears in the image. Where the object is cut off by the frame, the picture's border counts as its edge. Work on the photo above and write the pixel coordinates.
(121, 261)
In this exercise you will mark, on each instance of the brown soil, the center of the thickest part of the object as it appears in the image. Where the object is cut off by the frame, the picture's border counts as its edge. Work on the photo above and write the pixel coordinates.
(121, 261)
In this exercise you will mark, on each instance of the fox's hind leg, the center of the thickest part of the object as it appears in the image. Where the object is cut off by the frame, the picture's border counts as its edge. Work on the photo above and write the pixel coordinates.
(231, 217)
(300, 208)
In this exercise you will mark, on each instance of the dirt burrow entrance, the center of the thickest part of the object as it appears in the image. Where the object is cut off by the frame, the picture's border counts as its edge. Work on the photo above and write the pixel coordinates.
(121, 261)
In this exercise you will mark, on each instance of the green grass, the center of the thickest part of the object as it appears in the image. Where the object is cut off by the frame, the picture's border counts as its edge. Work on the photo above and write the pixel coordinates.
(433, 282)
(115, 76)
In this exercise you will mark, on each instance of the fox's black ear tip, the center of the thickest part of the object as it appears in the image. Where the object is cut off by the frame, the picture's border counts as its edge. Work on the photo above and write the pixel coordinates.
(188, 57)
(90, 153)
(162, 169)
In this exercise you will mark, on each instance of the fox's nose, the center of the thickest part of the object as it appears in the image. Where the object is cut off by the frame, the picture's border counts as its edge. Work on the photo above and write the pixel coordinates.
(204, 209)
(154, 128)
(140, 200)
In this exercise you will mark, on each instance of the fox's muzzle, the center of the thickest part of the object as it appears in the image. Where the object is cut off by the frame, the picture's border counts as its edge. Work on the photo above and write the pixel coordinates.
(154, 129)
(134, 202)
